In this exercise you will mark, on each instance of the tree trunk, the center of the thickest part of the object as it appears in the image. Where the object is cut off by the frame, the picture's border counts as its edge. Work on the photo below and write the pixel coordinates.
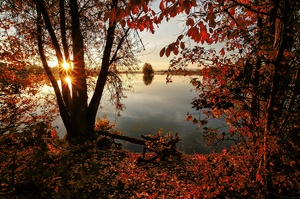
(79, 87)
(41, 11)
(95, 101)
(66, 93)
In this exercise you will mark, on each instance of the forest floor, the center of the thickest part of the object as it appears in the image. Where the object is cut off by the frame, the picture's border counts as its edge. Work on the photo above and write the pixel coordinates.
(86, 171)
(51, 168)
(117, 173)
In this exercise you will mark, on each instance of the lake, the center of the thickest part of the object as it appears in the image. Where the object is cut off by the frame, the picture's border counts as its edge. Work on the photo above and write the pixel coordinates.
(150, 108)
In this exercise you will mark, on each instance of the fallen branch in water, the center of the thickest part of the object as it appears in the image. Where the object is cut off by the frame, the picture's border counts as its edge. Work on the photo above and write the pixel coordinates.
(122, 137)
(163, 146)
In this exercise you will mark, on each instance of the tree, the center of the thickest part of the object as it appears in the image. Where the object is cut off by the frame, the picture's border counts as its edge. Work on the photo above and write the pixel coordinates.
(148, 69)
(253, 80)
(76, 34)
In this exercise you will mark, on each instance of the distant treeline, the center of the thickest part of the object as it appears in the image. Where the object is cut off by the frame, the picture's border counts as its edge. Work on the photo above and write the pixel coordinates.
(180, 72)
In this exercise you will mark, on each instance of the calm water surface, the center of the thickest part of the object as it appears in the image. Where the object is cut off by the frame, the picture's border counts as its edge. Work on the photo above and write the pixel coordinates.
(159, 106)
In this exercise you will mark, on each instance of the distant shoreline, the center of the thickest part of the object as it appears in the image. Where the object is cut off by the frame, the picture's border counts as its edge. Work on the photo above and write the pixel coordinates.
(165, 72)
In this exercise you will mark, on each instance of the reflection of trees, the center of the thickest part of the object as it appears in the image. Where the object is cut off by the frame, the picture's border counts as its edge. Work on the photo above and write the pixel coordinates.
(116, 89)
(148, 74)
(148, 78)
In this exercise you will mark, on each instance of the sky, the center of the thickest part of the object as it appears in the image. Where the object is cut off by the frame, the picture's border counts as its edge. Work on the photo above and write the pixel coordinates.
(164, 35)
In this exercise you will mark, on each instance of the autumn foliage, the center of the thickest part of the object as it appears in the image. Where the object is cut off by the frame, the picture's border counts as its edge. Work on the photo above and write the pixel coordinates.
(251, 80)
(252, 83)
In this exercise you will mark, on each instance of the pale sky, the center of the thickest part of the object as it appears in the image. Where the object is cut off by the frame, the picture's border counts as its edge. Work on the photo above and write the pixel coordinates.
(164, 35)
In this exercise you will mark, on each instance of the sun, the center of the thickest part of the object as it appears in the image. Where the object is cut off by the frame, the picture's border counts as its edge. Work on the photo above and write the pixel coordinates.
(68, 80)
(66, 65)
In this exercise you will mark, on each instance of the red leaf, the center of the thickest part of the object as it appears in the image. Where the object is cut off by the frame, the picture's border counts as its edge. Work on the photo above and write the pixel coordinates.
(161, 5)
(232, 11)
(175, 50)
(145, 8)
(180, 37)
(135, 10)
(130, 24)
(205, 35)
(292, 163)
(182, 46)
(224, 151)
(222, 51)
(190, 22)
(258, 177)
(107, 16)
(189, 118)
(162, 52)
(56, 189)
(187, 11)
(168, 52)
(120, 14)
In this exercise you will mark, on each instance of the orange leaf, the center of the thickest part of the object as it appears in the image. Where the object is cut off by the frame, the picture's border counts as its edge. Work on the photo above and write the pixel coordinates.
(189, 118)
(161, 5)
(258, 177)
(292, 163)
(56, 189)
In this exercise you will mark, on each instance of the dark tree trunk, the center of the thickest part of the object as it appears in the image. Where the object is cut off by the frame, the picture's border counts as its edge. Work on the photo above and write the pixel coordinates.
(95, 101)
(41, 11)
(64, 73)
(79, 87)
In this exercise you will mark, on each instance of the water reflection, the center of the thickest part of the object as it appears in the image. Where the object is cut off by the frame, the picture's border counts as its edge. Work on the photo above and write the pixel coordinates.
(148, 78)
(159, 106)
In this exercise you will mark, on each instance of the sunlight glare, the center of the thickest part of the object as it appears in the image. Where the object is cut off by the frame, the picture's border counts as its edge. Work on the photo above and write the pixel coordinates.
(69, 81)
(52, 64)
(66, 65)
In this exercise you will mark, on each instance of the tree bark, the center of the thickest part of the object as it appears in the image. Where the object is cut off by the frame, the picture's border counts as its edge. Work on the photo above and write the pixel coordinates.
(79, 86)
